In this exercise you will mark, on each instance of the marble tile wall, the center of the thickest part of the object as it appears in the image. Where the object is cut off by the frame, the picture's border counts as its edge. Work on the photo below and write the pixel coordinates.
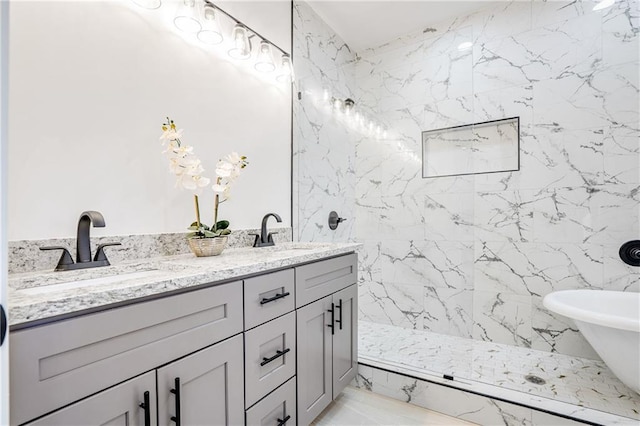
(324, 148)
(473, 256)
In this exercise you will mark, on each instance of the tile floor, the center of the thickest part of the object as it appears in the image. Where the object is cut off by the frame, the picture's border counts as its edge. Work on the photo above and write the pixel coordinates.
(360, 407)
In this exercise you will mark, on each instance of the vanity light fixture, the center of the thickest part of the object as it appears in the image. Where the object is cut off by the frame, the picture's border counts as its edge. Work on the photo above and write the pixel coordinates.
(186, 19)
(210, 33)
(264, 62)
(241, 45)
(201, 18)
(604, 4)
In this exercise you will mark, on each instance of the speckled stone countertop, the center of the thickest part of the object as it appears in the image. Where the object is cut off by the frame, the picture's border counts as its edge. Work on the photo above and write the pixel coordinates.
(40, 295)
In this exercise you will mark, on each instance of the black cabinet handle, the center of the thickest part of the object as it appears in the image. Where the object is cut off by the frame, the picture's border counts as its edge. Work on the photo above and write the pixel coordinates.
(281, 422)
(276, 297)
(3, 325)
(331, 326)
(339, 321)
(278, 354)
(176, 392)
(147, 409)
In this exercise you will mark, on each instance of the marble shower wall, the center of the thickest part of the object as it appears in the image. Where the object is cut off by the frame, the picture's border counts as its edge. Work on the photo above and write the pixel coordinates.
(324, 147)
(473, 256)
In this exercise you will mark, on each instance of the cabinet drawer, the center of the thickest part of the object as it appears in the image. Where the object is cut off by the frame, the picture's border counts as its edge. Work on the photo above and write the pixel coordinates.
(56, 364)
(270, 356)
(278, 408)
(319, 279)
(267, 297)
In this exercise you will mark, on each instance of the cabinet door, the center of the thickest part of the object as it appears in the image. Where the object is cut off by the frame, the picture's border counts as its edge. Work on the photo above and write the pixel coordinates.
(119, 405)
(314, 359)
(205, 388)
(345, 338)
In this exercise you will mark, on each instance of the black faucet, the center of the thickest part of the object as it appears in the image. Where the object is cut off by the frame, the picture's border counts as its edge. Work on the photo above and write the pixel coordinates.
(83, 245)
(264, 239)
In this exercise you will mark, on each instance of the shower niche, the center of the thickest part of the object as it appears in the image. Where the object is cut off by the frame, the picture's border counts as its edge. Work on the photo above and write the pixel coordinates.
(487, 147)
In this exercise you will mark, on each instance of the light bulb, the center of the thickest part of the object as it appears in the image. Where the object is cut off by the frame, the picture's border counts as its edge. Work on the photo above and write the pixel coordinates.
(210, 33)
(265, 60)
(286, 70)
(185, 19)
(241, 46)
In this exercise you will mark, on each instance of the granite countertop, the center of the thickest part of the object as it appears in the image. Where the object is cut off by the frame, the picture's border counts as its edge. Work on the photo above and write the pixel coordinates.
(40, 295)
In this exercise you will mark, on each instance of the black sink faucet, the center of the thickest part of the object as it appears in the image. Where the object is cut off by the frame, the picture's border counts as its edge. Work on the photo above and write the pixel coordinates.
(83, 245)
(264, 239)
(83, 242)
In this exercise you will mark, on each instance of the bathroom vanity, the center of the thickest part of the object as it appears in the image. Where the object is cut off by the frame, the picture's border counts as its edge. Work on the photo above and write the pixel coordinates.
(272, 343)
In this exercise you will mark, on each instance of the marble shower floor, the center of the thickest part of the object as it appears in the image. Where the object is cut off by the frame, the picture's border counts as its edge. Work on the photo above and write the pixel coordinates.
(577, 381)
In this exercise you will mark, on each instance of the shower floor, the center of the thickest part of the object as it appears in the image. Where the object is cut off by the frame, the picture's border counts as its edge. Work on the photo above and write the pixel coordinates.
(576, 381)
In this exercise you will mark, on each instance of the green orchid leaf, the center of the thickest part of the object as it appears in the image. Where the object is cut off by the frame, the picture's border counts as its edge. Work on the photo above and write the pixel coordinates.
(193, 228)
(192, 234)
(222, 224)
(225, 231)
(209, 234)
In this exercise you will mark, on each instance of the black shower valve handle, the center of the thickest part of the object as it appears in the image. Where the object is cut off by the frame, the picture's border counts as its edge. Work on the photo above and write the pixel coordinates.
(630, 252)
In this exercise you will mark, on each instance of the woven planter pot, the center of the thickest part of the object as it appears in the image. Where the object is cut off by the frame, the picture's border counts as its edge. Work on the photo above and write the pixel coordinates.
(204, 247)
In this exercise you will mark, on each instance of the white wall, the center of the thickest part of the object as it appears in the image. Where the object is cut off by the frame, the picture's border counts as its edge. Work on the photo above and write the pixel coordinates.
(90, 85)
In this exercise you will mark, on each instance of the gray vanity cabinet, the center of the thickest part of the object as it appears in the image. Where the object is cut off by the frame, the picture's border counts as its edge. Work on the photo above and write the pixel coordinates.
(327, 334)
(119, 405)
(273, 349)
(205, 388)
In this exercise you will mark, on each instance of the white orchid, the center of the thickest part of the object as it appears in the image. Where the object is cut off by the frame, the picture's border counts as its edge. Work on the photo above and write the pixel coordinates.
(170, 134)
(187, 168)
(219, 189)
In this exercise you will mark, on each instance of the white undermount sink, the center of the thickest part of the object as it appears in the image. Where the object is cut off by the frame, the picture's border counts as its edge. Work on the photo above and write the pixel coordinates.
(71, 285)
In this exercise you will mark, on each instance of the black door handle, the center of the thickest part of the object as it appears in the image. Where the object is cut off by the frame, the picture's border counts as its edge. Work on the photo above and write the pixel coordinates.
(3, 325)
(176, 392)
(281, 422)
(331, 326)
(147, 409)
(339, 321)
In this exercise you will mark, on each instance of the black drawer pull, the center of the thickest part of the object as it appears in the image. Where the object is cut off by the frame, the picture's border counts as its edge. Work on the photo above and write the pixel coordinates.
(283, 421)
(278, 354)
(276, 297)
(176, 392)
(146, 406)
